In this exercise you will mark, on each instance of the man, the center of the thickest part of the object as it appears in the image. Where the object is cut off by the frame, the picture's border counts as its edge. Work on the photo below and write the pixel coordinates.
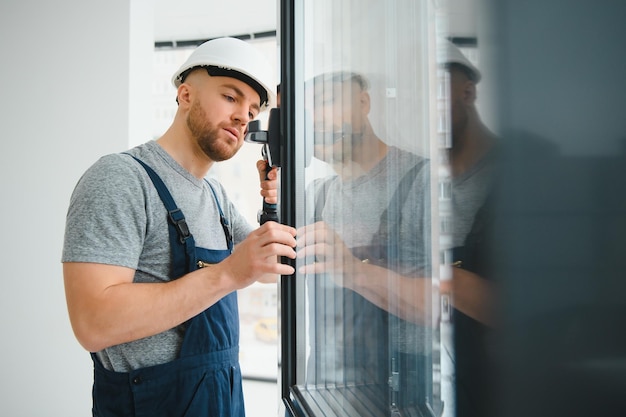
(473, 160)
(149, 265)
(371, 218)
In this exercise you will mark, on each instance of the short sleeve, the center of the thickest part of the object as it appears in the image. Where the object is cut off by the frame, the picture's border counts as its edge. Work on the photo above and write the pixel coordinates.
(106, 218)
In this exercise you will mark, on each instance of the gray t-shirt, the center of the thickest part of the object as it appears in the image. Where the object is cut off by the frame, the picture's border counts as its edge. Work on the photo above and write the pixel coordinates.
(116, 217)
(353, 208)
(469, 192)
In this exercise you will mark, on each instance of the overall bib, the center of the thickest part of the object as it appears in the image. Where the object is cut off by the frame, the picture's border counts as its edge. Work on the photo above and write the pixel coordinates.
(474, 363)
(205, 380)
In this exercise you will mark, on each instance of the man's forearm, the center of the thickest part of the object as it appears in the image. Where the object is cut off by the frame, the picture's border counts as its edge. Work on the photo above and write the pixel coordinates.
(127, 311)
(400, 295)
(473, 295)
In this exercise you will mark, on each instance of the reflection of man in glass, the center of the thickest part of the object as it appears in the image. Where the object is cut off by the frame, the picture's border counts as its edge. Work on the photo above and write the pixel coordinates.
(473, 160)
(371, 221)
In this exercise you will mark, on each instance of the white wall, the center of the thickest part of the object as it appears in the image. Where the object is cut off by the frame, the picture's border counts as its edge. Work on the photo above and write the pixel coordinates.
(64, 80)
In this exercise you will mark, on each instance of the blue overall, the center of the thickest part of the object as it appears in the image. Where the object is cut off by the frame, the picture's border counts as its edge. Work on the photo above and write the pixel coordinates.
(205, 380)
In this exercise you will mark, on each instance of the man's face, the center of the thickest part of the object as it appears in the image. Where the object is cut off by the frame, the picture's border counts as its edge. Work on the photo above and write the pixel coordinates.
(462, 96)
(220, 110)
(337, 119)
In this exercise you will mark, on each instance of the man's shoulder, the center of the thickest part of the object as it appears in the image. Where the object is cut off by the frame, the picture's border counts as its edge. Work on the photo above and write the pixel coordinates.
(111, 174)
(403, 160)
(116, 165)
(124, 158)
(411, 167)
(406, 155)
(321, 185)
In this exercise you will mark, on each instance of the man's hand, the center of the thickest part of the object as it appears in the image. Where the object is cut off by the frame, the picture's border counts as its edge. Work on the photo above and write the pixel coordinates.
(269, 182)
(325, 252)
(258, 254)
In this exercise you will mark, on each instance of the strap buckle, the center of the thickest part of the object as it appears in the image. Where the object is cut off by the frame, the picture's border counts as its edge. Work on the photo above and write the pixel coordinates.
(178, 220)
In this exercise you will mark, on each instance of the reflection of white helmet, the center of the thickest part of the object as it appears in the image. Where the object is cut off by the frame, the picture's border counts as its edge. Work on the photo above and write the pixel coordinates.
(231, 57)
(449, 53)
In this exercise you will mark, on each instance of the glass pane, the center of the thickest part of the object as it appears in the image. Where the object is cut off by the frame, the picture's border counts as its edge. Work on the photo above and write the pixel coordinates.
(369, 253)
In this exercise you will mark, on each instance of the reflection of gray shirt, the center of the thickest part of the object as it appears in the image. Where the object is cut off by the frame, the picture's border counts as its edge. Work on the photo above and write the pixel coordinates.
(353, 208)
(117, 218)
(469, 192)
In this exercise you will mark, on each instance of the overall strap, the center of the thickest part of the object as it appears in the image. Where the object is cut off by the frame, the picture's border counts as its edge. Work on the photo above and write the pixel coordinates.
(391, 224)
(223, 219)
(177, 225)
(399, 198)
(397, 201)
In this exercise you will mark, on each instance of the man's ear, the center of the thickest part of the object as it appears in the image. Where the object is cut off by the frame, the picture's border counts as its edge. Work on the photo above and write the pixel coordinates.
(364, 99)
(183, 94)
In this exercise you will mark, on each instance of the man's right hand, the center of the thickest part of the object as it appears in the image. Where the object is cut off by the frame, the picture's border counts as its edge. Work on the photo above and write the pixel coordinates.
(258, 254)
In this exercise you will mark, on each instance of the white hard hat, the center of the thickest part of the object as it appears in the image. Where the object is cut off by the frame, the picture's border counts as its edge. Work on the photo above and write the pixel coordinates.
(232, 57)
(340, 75)
(449, 53)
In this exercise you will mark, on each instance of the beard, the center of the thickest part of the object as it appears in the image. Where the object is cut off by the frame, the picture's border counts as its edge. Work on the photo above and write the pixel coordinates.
(342, 151)
(459, 120)
(207, 135)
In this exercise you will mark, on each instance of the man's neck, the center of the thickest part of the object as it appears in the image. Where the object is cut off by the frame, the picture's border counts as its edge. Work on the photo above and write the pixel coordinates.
(363, 158)
(188, 155)
(469, 146)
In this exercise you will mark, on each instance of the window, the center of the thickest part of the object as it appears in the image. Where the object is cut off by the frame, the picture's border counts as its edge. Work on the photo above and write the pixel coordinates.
(366, 333)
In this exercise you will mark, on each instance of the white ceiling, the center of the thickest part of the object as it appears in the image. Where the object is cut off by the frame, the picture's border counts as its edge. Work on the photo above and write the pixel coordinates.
(177, 20)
